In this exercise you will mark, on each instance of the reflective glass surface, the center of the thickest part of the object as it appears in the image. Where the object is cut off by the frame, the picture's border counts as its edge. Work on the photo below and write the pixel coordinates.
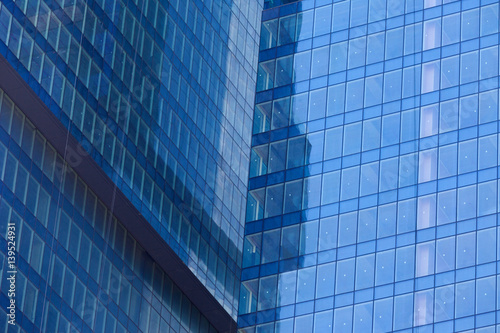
(161, 94)
(373, 192)
(78, 268)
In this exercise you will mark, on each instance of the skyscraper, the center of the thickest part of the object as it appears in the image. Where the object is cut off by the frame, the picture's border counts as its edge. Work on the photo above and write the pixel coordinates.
(373, 191)
(125, 139)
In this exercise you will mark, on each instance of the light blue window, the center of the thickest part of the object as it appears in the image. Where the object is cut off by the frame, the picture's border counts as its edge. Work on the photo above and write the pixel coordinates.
(317, 104)
(299, 104)
(408, 166)
(467, 156)
(315, 147)
(424, 303)
(308, 237)
(349, 183)
(485, 294)
(269, 241)
(320, 62)
(323, 322)
(333, 138)
(486, 198)
(376, 10)
(444, 306)
(405, 263)
(359, 11)
(425, 255)
(325, 278)
(347, 229)
(338, 59)
(267, 293)
(357, 52)
(322, 20)
(489, 65)
(411, 81)
(466, 202)
(330, 188)
(312, 192)
(445, 254)
(328, 233)
(469, 67)
(265, 75)
(336, 99)
(466, 250)
(284, 71)
(304, 323)
(281, 113)
(403, 311)
(306, 283)
(464, 298)
(450, 69)
(367, 224)
(470, 24)
(277, 156)
(390, 129)
(262, 118)
(352, 138)
(369, 178)
(373, 91)
(388, 174)
(363, 317)
(451, 29)
(432, 34)
(287, 288)
(305, 21)
(410, 125)
(413, 38)
(274, 201)
(345, 276)
(365, 271)
(489, 19)
(447, 161)
(385, 268)
(302, 66)
(447, 203)
(488, 103)
(393, 50)
(340, 16)
(354, 95)
(448, 116)
(386, 220)
(468, 111)
(375, 47)
(382, 315)
(406, 216)
(486, 240)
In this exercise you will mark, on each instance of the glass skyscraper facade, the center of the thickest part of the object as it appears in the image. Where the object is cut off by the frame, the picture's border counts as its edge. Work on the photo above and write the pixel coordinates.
(373, 191)
(145, 111)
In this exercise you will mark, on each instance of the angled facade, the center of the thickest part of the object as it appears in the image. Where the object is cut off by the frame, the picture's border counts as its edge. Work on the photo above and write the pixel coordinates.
(125, 140)
(373, 191)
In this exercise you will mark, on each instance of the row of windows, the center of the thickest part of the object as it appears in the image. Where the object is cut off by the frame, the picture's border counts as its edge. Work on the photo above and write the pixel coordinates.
(448, 29)
(121, 288)
(114, 153)
(368, 271)
(28, 190)
(418, 167)
(367, 225)
(392, 314)
(392, 85)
